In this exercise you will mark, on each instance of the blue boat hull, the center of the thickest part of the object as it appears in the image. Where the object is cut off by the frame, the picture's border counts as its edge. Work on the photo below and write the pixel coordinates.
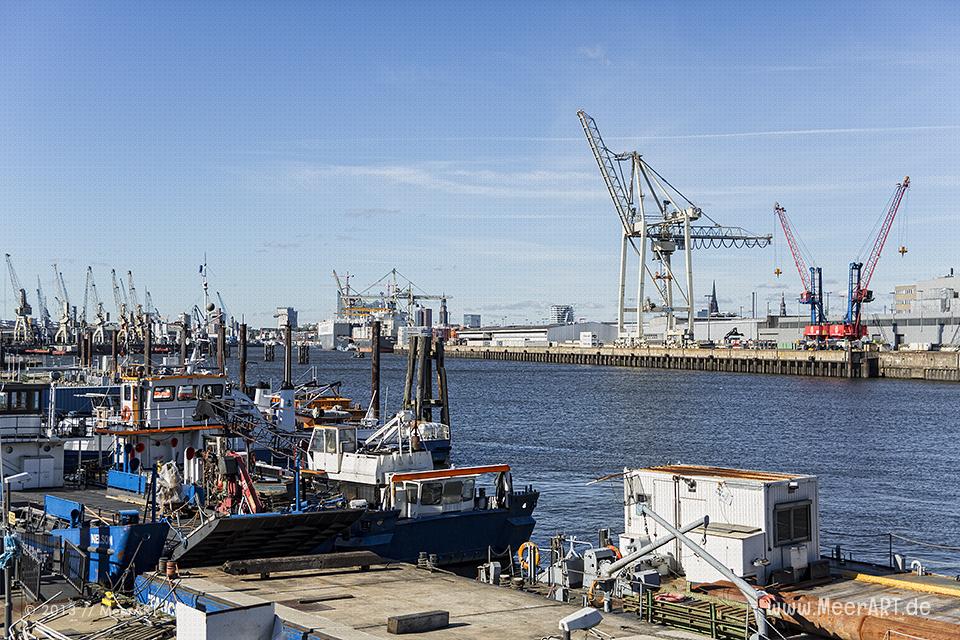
(458, 538)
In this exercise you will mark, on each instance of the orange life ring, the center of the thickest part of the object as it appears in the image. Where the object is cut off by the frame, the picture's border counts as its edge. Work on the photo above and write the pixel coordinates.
(616, 551)
(126, 413)
(522, 555)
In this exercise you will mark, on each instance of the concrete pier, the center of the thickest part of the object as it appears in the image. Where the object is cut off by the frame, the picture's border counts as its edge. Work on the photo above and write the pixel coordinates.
(941, 366)
(827, 364)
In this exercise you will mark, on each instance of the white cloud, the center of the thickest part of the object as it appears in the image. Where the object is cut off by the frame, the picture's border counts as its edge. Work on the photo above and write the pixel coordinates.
(596, 52)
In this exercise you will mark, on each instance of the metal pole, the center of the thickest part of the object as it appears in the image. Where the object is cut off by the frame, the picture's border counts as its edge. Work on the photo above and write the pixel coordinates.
(751, 594)
(288, 357)
(611, 570)
(375, 368)
(183, 343)
(623, 284)
(7, 571)
(243, 357)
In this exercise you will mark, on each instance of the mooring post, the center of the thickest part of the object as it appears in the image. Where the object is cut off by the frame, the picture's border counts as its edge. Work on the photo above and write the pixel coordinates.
(408, 381)
(221, 346)
(243, 357)
(113, 351)
(442, 384)
(147, 348)
(375, 368)
(422, 358)
(183, 344)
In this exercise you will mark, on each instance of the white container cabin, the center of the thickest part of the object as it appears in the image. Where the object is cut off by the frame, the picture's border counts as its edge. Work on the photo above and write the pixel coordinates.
(25, 443)
(760, 522)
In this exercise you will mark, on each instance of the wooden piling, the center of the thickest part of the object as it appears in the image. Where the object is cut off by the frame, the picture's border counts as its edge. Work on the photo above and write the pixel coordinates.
(147, 348)
(221, 346)
(375, 368)
(243, 357)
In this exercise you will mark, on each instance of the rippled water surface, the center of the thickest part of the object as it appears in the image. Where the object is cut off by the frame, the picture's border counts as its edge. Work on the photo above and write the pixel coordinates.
(887, 453)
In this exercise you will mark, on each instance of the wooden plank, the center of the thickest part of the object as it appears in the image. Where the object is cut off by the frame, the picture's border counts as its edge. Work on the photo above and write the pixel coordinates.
(418, 622)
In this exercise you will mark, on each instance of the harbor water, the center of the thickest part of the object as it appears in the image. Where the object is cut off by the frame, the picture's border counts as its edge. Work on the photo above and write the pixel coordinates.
(885, 452)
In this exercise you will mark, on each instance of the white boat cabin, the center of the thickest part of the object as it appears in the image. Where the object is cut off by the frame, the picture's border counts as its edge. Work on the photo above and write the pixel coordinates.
(333, 450)
(25, 444)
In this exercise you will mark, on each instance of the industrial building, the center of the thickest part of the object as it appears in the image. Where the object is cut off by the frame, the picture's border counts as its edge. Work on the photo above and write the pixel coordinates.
(929, 297)
(286, 317)
(537, 335)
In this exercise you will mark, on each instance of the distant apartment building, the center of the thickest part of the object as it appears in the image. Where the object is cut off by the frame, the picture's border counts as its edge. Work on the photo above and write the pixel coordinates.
(561, 314)
(471, 320)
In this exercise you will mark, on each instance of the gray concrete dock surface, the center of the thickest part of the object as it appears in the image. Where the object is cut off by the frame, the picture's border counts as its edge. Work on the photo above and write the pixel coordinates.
(355, 605)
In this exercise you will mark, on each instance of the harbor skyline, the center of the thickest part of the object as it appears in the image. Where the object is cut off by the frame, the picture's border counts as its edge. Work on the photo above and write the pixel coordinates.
(455, 153)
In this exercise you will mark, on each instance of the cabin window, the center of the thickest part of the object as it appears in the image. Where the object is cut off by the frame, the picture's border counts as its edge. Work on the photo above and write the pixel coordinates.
(452, 491)
(3, 402)
(126, 392)
(431, 493)
(163, 394)
(467, 492)
(348, 440)
(411, 490)
(330, 437)
(792, 523)
(187, 392)
(317, 442)
(209, 391)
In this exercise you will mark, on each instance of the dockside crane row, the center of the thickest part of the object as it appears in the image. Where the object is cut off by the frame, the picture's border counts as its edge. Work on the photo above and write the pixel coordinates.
(668, 227)
(23, 326)
(135, 308)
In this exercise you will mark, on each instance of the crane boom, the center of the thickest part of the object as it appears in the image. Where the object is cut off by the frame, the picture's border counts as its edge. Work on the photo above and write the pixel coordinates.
(871, 264)
(798, 259)
(608, 163)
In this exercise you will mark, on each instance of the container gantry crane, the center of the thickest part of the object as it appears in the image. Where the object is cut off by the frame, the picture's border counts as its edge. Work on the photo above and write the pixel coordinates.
(23, 326)
(667, 229)
(858, 282)
(811, 277)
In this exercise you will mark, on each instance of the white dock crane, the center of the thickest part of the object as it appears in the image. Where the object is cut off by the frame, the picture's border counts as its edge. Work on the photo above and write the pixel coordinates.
(668, 226)
(43, 315)
(65, 322)
(119, 297)
(23, 326)
(136, 309)
(90, 295)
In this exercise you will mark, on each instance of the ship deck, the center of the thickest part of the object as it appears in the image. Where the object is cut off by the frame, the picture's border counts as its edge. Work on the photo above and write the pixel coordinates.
(354, 605)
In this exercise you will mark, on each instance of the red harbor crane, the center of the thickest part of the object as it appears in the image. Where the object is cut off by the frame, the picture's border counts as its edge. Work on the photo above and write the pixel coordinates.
(858, 284)
(811, 277)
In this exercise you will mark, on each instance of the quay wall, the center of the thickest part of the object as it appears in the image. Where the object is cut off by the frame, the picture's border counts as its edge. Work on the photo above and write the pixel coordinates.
(915, 365)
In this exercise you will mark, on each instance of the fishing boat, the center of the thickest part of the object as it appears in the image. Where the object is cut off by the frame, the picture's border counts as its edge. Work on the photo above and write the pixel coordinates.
(413, 509)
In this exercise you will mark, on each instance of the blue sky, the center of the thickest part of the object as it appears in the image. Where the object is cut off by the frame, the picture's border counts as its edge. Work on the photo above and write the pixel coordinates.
(285, 140)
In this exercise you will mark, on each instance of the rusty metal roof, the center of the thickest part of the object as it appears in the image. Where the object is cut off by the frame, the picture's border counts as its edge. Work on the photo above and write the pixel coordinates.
(724, 472)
